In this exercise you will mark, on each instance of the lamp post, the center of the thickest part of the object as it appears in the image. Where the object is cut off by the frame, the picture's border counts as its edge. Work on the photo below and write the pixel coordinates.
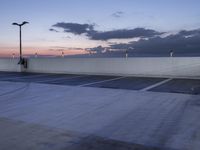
(171, 53)
(36, 55)
(13, 55)
(62, 54)
(127, 50)
(20, 37)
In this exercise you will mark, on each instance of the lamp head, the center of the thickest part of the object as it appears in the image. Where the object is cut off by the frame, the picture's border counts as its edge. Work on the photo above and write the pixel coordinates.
(15, 24)
(23, 23)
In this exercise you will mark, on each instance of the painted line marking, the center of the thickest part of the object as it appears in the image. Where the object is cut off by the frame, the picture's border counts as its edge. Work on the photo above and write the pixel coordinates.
(8, 75)
(57, 79)
(101, 81)
(24, 77)
(155, 85)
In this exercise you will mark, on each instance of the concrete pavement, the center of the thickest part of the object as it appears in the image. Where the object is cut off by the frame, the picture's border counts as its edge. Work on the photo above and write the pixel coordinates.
(72, 117)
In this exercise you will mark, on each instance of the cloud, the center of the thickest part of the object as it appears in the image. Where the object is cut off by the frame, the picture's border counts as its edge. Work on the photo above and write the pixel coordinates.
(117, 14)
(98, 49)
(74, 28)
(183, 43)
(88, 30)
(56, 50)
(60, 48)
(150, 41)
(124, 34)
(53, 30)
(189, 32)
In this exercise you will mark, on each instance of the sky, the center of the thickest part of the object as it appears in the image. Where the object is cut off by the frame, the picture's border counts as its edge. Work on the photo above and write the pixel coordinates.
(81, 26)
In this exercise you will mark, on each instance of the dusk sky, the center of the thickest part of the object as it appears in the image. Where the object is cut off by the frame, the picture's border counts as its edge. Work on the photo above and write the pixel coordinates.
(75, 25)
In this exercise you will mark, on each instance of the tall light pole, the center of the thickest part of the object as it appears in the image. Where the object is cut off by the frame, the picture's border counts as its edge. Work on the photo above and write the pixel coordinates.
(20, 37)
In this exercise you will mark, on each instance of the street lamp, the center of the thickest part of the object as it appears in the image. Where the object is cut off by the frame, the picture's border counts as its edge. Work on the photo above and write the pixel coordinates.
(20, 37)
(171, 53)
(127, 50)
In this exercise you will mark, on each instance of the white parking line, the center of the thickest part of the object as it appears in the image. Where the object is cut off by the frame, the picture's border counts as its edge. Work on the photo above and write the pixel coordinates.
(57, 79)
(101, 81)
(155, 85)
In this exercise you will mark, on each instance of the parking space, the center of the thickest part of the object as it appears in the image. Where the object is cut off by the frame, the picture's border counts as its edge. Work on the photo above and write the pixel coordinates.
(60, 79)
(48, 77)
(188, 86)
(82, 80)
(36, 77)
(131, 83)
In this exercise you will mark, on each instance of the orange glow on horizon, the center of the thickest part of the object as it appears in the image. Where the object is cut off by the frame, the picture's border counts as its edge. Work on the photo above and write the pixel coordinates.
(9, 52)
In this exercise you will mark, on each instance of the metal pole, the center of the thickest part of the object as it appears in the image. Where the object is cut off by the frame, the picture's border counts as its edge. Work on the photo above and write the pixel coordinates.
(20, 42)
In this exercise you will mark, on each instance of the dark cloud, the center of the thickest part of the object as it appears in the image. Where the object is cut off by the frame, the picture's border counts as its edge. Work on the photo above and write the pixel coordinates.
(53, 30)
(189, 32)
(75, 28)
(88, 30)
(98, 49)
(151, 41)
(124, 34)
(118, 14)
(184, 43)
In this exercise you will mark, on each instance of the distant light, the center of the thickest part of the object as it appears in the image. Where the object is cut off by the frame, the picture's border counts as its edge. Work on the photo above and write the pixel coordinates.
(36, 55)
(126, 54)
(63, 55)
(13, 55)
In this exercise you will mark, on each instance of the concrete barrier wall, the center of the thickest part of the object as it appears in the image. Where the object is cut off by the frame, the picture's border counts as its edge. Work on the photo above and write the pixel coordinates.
(148, 66)
(11, 65)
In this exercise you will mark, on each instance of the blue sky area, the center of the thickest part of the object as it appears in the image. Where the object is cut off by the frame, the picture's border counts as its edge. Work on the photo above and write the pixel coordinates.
(104, 23)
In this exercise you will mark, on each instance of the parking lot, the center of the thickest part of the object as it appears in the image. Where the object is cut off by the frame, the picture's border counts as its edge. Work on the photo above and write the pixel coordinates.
(84, 112)
(187, 86)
